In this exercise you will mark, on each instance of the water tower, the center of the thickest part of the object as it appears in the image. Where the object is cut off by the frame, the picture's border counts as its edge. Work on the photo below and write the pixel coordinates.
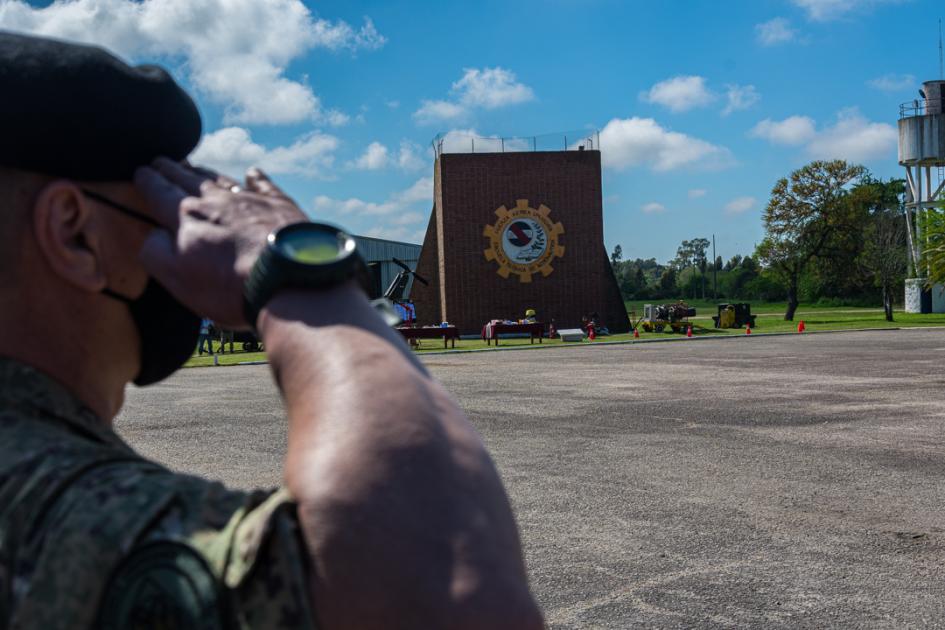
(922, 153)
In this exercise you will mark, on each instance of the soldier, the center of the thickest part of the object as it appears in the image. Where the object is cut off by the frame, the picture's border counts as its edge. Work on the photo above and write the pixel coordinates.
(392, 515)
(226, 336)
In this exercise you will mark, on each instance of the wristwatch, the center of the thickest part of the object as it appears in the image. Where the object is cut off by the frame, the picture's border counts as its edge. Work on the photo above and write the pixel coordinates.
(303, 255)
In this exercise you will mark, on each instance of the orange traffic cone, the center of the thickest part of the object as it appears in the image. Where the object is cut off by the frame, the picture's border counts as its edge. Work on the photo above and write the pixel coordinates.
(636, 333)
(801, 327)
(689, 332)
(747, 330)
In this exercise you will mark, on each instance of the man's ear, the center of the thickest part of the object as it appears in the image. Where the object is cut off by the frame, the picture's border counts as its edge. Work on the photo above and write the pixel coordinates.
(64, 231)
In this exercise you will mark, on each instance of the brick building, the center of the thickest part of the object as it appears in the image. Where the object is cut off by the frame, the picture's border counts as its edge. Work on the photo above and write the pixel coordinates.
(518, 230)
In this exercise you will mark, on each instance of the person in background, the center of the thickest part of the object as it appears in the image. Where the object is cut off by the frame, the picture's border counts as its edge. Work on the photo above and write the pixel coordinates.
(205, 337)
(226, 336)
(530, 317)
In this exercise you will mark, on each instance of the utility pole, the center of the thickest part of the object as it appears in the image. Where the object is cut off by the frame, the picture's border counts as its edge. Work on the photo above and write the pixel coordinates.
(715, 272)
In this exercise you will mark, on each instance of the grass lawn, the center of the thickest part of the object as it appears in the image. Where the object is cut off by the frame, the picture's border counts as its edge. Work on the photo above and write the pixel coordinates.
(770, 319)
(224, 359)
(763, 309)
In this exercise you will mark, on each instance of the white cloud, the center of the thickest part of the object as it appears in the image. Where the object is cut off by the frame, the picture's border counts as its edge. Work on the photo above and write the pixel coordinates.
(739, 205)
(409, 218)
(392, 104)
(375, 157)
(340, 36)
(401, 217)
(695, 193)
(775, 31)
(629, 142)
(653, 208)
(456, 140)
(236, 52)
(398, 202)
(491, 88)
(397, 233)
(422, 190)
(679, 94)
(854, 138)
(435, 111)
(231, 150)
(335, 118)
(893, 82)
(795, 130)
(409, 158)
(824, 10)
(740, 97)
(488, 88)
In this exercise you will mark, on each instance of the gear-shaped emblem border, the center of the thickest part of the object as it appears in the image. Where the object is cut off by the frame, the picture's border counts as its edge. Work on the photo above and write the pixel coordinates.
(495, 251)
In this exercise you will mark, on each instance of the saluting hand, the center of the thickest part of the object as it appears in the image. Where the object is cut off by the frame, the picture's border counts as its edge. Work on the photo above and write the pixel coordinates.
(214, 231)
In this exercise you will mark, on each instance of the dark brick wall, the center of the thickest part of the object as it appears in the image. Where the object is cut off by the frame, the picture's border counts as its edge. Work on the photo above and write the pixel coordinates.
(468, 188)
(426, 298)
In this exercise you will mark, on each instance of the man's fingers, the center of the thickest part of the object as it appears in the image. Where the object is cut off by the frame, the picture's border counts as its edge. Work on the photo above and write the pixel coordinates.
(224, 181)
(163, 196)
(160, 259)
(187, 178)
(258, 182)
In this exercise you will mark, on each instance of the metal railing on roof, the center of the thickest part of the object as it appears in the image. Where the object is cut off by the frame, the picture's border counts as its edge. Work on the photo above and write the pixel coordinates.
(920, 107)
(460, 142)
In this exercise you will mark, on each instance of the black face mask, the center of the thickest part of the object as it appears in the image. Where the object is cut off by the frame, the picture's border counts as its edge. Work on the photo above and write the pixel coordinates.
(168, 331)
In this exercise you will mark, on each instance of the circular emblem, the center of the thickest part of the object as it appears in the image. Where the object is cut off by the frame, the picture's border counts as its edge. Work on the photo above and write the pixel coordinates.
(523, 241)
(162, 585)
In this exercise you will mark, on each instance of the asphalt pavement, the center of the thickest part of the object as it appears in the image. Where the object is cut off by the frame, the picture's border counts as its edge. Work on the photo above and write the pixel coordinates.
(764, 482)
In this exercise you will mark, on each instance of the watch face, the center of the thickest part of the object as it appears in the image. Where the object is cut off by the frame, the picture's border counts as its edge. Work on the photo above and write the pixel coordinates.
(314, 245)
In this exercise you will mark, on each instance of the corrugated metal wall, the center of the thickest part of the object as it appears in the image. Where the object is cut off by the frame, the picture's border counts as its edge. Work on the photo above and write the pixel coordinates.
(381, 251)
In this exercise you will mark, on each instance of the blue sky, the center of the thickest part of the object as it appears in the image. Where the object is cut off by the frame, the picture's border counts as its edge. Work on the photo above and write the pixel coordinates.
(701, 107)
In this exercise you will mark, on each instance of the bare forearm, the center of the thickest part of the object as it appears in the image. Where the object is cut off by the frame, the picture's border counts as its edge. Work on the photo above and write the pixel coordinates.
(394, 486)
(403, 514)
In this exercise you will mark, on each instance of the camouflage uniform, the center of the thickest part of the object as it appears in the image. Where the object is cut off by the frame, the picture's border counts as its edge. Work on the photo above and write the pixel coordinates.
(92, 535)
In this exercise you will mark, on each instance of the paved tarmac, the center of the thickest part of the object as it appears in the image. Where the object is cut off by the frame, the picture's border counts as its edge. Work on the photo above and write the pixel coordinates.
(764, 482)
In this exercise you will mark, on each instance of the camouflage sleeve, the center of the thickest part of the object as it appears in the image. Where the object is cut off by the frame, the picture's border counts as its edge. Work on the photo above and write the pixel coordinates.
(215, 559)
(268, 567)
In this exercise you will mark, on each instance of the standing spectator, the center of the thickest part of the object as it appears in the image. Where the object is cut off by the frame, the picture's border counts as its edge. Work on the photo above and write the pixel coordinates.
(226, 336)
(205, 337)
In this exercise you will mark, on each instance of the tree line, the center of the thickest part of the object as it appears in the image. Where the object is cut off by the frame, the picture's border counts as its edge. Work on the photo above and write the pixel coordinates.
(834, 235)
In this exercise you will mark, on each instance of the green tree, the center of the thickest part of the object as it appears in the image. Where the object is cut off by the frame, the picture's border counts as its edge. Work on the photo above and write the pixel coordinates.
(640, 278)
(933, 252)
(667, 284)
(884, 249)
(693, 254)
(807, 212)
(616, 256)
(884, 253)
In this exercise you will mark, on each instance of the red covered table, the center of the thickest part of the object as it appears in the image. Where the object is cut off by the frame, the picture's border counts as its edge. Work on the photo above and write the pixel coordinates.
(492, 331)
(448, 333)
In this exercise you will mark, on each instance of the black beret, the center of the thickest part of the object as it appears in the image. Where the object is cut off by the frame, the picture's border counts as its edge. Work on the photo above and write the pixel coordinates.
(77, 111)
